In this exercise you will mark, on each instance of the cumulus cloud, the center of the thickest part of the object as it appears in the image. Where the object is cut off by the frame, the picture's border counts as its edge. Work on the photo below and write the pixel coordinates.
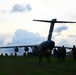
(23, 37)
(20, 37)
(61, 28)
(21, 8)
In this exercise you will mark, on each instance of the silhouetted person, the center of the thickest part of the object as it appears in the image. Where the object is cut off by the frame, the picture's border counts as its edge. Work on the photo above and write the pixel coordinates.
(24, 54)
(61, 53)
(6, 55)
(11, 54)
(35, 52)
(40, 56)
(55, 52)
(16, 49)
(15, 55)
(74, 52)
(1, 54)
(48, 55)
(30, 53)
(64, 52)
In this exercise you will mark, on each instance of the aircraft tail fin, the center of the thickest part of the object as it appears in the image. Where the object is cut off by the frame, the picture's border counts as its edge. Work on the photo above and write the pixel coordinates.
(53, 21)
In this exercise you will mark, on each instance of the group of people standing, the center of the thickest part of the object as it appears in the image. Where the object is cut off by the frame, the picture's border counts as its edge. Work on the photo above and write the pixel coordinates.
(59, 53)
(46, 53)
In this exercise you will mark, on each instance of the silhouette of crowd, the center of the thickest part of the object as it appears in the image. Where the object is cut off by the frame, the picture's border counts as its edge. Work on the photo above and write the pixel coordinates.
(59, 53)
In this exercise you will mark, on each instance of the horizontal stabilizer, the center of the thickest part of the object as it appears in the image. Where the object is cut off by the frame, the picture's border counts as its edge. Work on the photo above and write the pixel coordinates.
(65, 22)
(43, 21)
(54, 21)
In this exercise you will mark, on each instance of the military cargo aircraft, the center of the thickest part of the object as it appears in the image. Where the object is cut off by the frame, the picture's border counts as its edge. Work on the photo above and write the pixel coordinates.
(48, 43)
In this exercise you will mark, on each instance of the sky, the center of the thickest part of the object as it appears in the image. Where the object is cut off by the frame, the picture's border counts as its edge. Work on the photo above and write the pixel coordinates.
(16, 21)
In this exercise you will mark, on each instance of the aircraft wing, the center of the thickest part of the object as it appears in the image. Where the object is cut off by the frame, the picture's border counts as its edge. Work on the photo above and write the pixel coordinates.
(19, 46)
(64, 47)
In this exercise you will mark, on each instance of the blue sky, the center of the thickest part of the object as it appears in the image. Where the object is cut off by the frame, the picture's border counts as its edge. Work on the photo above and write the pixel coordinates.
(18, 15)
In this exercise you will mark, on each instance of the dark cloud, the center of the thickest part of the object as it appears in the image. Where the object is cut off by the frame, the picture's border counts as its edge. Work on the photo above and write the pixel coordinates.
(61, 28)
(21, 8)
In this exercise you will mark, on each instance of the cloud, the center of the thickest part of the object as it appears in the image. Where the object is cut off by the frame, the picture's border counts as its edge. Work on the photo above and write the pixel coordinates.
(63, 42)
(21, 8)
(20, 37)
(23, 37)
(72, 36)
(55, 36)
(1, 41)
(61, 28)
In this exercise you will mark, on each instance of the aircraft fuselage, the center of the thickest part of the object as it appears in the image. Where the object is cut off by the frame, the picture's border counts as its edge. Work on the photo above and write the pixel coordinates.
(46, 44)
